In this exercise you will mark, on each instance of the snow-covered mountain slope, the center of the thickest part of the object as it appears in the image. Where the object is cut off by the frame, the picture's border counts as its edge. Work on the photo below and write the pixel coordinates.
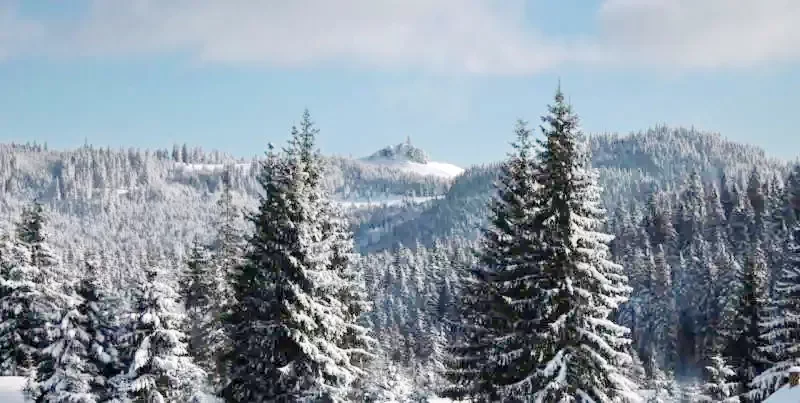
(384, 201)
(209, 168)
(11, 389)
(786, 394)
(440, 169)
(408, 158)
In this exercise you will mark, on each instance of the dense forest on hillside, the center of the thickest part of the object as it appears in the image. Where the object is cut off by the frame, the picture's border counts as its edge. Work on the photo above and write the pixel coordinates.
(135, 273)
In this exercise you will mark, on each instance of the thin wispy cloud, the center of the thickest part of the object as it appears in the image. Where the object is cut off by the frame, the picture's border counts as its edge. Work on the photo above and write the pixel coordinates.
(17, 35)
(701, 34)
(473, 36)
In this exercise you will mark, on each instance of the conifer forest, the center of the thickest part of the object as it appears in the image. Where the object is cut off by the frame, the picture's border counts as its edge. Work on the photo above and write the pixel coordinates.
(656, 266)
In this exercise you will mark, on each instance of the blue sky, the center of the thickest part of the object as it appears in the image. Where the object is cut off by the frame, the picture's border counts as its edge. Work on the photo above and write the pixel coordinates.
(453, 75)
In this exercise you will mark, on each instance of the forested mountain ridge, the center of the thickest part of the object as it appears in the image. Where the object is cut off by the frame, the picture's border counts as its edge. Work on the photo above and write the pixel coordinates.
(90, 181)
(680, 202)
(630, 166)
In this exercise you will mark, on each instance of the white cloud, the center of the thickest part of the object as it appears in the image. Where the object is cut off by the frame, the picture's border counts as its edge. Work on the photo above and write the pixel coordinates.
(700, 34)
(16, 34)
(477, 36)
(441, 35)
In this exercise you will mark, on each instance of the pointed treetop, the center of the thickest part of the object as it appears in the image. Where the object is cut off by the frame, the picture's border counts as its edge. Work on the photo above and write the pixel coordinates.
(226, 178)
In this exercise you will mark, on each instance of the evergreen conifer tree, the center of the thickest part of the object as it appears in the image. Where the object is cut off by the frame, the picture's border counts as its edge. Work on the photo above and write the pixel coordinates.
(21, 335)
(663, 314)
(539, 306)
(102, 310)
(582, 353)
(197, 291)
(161, 370)
(746, 353)
(288, 324)
(65, 373)
(31, 308)
(479, 367)
(780, 329)
(718, 386)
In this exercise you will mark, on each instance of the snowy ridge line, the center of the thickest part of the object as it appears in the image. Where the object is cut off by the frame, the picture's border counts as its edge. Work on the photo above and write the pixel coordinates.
(431, 168)
(390, 201)
(192, 167)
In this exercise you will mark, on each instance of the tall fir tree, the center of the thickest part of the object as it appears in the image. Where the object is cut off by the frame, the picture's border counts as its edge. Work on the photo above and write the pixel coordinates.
(792, 198)
(161, 370)
(288, 324)
(197, 290)
(66, 373)
(34, 282)
(480, 368)
(20, 333)
(228, 246)
(346, 283)
(102, 309)
(663, 313)
(208, 292)
(582, 351)
(727, 199)
(746, 353)
(719, 387)
(350, 292)
(777, 232)
(739, 226)
(780, 328)
(727, 291)
(758, 201)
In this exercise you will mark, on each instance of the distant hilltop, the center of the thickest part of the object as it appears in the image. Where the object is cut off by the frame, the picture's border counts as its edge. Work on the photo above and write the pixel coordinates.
(403, 151)
(408, 158)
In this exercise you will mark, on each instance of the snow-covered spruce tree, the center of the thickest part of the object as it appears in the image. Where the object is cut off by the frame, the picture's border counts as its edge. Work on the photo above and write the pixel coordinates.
(727, 291)
(746, 353)
(691, 213)
(662, 313)
(781, 328)
(340, 277)
(739, 226)
(350, 292)
(65, 373)
(758, 200)
(228, 246)
(792, 198)
(719, 386)
(34, 283)
(581, 353)
(472, 366)
(777, 233)
(20, 333)
(207, 288)
(32, 232)
(197, 290)
(162, 370)
(480, 367)
(662, 386)
(288, 325)
(102, 310)
(694, 277)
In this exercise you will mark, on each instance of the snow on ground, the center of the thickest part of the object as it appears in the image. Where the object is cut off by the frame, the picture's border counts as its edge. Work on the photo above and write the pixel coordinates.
(440, 169)
(11, 389)
(208, 167)
(386, 201)
(785, 394)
